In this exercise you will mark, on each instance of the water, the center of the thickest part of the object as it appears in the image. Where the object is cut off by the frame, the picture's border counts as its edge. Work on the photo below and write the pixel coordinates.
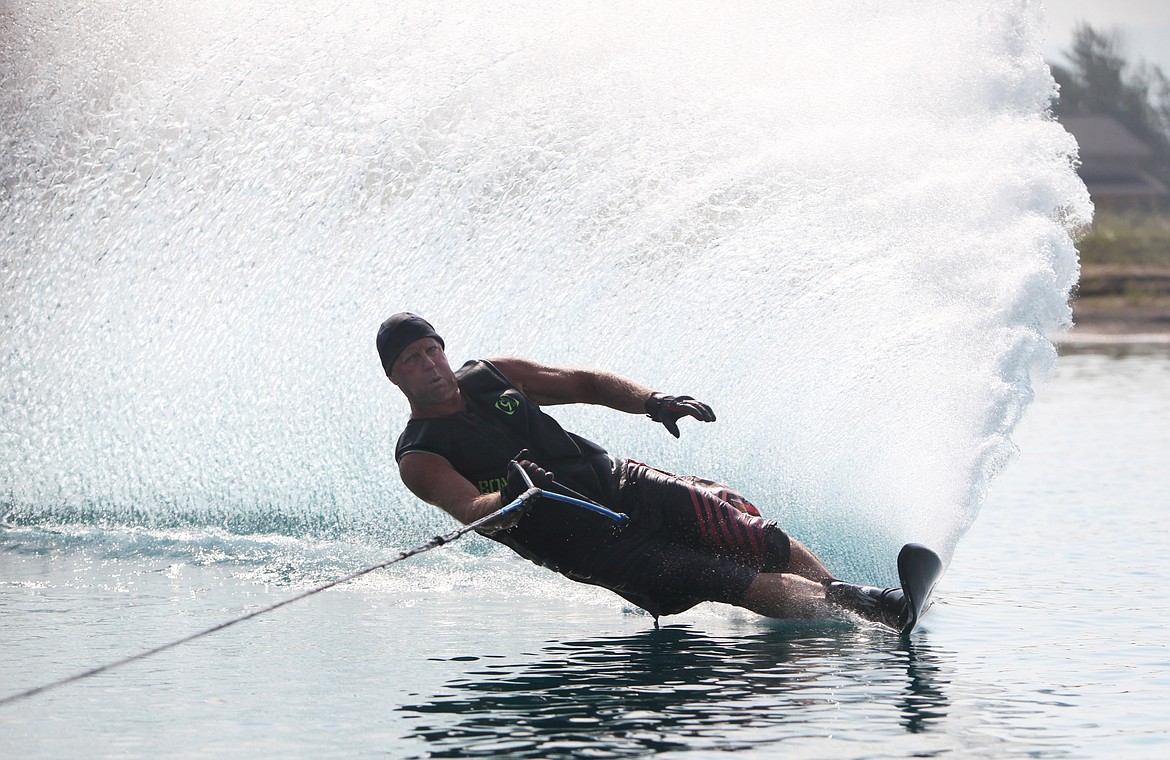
(848, 228)
(1048, 639)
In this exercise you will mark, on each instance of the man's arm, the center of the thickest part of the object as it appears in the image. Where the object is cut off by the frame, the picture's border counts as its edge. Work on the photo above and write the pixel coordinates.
(432, 478)
(548, 386)
(561, 385)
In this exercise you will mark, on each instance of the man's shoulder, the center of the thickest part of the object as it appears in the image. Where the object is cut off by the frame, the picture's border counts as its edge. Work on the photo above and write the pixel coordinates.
(426, 434)
(479, 375)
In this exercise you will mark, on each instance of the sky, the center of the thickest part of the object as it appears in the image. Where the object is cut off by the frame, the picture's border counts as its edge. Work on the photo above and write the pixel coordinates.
(1144, 25)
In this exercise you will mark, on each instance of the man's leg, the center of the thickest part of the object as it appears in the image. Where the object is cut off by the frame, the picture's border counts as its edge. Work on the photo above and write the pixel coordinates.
(804, 563)
(792, 582)
(784, 595)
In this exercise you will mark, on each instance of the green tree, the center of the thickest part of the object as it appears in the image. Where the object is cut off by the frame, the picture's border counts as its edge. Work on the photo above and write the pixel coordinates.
(1101, 80)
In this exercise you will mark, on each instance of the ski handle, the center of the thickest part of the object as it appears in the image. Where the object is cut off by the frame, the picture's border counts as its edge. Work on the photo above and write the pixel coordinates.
(619, 519)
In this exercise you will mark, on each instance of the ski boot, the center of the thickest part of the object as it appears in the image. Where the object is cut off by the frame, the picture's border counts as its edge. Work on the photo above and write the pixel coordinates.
(887, 606)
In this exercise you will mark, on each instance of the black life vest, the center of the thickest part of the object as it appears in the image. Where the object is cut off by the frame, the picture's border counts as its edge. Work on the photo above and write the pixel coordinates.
(497, 422)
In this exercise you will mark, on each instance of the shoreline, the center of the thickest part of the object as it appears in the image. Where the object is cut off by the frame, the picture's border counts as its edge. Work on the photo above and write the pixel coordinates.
(1120, 304)
(1115, 330)
(1079, 339)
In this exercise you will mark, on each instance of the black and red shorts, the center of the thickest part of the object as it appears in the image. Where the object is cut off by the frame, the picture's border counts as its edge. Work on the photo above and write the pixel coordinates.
(688, 541)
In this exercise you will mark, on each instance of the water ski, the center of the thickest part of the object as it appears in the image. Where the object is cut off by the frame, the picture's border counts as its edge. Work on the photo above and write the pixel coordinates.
(919, 569)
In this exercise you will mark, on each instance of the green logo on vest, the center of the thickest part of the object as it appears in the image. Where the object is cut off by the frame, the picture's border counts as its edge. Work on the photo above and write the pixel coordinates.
(507, 404)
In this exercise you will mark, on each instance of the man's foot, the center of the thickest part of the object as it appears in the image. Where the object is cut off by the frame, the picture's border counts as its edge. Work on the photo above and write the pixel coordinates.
(887, 606)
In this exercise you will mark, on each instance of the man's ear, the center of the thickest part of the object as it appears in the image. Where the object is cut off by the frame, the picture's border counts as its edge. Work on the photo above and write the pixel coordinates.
(391, 379)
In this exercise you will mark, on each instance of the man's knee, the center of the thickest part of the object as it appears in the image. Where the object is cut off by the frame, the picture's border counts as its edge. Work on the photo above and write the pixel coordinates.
(803, 562)
(777, 550)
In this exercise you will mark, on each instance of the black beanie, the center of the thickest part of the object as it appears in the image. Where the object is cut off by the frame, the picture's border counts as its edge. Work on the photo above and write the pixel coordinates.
(398, 332)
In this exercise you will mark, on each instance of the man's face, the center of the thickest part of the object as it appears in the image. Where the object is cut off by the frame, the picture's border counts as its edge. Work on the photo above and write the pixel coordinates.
(422, 373)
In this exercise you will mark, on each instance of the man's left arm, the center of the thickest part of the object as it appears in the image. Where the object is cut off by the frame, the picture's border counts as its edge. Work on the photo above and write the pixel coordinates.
(547, 386)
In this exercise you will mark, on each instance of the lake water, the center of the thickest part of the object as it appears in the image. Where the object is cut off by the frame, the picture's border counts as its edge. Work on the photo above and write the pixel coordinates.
(1048, 638)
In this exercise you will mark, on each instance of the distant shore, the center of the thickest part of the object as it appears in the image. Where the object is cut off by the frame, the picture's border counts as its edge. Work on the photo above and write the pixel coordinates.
(1123, 304)
(1149, 327)
(1123, 295)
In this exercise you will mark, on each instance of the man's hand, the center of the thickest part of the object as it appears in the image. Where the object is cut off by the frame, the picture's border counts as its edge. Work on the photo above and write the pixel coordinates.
(515, 485)
(668, 410)
(514, 488)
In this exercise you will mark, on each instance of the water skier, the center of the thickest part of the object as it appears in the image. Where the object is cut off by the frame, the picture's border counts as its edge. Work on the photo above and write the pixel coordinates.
(688, 541)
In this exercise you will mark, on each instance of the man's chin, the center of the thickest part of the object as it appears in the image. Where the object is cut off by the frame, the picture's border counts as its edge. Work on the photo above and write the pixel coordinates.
(440, 392)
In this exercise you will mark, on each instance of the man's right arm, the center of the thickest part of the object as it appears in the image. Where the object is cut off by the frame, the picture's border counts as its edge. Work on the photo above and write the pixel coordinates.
(432, 478)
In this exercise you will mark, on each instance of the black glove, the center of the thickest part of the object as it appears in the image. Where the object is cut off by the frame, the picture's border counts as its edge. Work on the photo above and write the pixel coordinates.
(515, 486)
(668, 409)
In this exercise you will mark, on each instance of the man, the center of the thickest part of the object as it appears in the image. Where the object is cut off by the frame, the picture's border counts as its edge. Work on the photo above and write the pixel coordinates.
(688, 540)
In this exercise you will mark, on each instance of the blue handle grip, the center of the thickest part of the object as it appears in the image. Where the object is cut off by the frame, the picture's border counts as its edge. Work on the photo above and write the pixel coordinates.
(619, 518)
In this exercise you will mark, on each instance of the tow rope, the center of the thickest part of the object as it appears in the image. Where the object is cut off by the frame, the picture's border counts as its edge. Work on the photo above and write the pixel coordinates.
(533, 492)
